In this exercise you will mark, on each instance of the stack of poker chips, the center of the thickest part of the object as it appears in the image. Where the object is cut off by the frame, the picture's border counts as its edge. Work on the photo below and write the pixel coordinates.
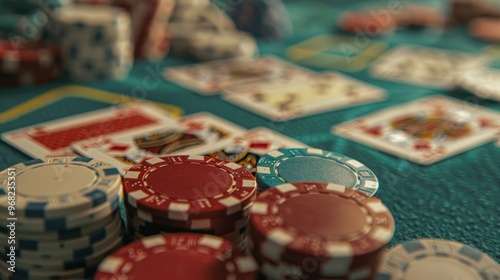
(318, 231)
(205, 32)
(28, 64)
(196, 194)
(266, 19)
(67, 217)
(150, 26)
(178, 256)
(96, 41)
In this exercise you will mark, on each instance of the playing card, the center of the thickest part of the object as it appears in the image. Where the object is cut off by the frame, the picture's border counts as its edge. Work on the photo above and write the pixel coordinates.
(425, 130)
(199, 131)
(321, 92)
(54, 138)
(424, 66)
(212, 77)
(482, 82)
(246, 149)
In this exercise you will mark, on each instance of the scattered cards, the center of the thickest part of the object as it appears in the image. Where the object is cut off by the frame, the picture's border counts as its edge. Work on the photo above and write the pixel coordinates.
(199, 131)
(278, 100)
(54, 138)
(424, 131)
(482, 82)
(424, 66)
(211, 77)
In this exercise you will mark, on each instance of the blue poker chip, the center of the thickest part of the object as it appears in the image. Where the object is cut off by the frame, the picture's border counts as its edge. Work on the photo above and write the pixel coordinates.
(314, 165)
(53, 188)
(437, 259)
(71, 249)
(69, 221)
(32, 239)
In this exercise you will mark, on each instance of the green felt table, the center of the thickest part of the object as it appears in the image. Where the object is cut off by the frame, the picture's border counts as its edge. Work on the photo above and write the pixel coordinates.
(457, 198)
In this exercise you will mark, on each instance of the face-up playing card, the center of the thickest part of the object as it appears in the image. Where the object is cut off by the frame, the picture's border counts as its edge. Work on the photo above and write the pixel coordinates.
(198, 131)
(426, 130)
(246, 149)
(321, 92)
(424, 66)
(55, 137)
(212, 77)
(482, 82)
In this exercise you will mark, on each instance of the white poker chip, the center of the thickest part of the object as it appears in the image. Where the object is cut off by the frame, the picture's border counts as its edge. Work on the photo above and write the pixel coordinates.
(58, 187)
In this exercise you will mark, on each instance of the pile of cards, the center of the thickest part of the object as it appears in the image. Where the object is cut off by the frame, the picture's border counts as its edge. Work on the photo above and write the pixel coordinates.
(273, 88)
(129, 134)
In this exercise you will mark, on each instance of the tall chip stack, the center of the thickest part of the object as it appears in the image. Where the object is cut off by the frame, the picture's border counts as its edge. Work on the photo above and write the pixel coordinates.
(318, 231)
(150, 26)
(67, 217)
(194, 194)
(28, 64)
(96, 42)
(203, 31)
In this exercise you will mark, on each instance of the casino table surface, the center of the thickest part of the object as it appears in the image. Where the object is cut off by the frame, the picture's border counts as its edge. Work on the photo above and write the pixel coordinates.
(457, 198)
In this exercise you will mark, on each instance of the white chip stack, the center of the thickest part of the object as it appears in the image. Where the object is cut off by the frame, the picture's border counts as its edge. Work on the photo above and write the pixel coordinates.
(96, 42)
(205, 32)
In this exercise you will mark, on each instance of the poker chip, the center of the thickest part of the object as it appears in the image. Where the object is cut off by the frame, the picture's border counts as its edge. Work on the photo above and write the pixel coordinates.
(213, 46)
(349, 245)
(485, 28)
(219, 188)
(266, 19)
(150, 26)
(214, 257)
(68, 217)
(96, 41)
(436, 259)
(202, 223)
(62, 265)
(78, 243)
(32, 238)
(363, 22)
(54, 187)
(27, 64)
(314, 165)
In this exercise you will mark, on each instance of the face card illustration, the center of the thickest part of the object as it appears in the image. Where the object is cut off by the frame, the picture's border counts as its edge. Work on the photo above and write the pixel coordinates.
(321, 92)
(426, 130)
(212, 77)
(198, 131)
(54, 138)
(424, 66)
(246, 149)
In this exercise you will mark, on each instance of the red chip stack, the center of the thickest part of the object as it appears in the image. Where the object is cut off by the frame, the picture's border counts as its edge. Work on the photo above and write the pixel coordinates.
(178, 256)
(27, 64)
(318, 231)
(150, 25)
(198, 194)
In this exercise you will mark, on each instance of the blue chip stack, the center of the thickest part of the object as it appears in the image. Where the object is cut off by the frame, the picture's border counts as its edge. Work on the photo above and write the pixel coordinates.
(266, 19)
(96, 42)
(68, 217)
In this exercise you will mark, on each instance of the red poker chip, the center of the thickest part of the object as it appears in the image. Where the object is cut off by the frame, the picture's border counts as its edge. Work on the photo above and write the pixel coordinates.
(29, 77)
(327, 222)
(365, 23)
(15, 57)
(231, 230)
(181, 257)
(180, 187)
(202, 223)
